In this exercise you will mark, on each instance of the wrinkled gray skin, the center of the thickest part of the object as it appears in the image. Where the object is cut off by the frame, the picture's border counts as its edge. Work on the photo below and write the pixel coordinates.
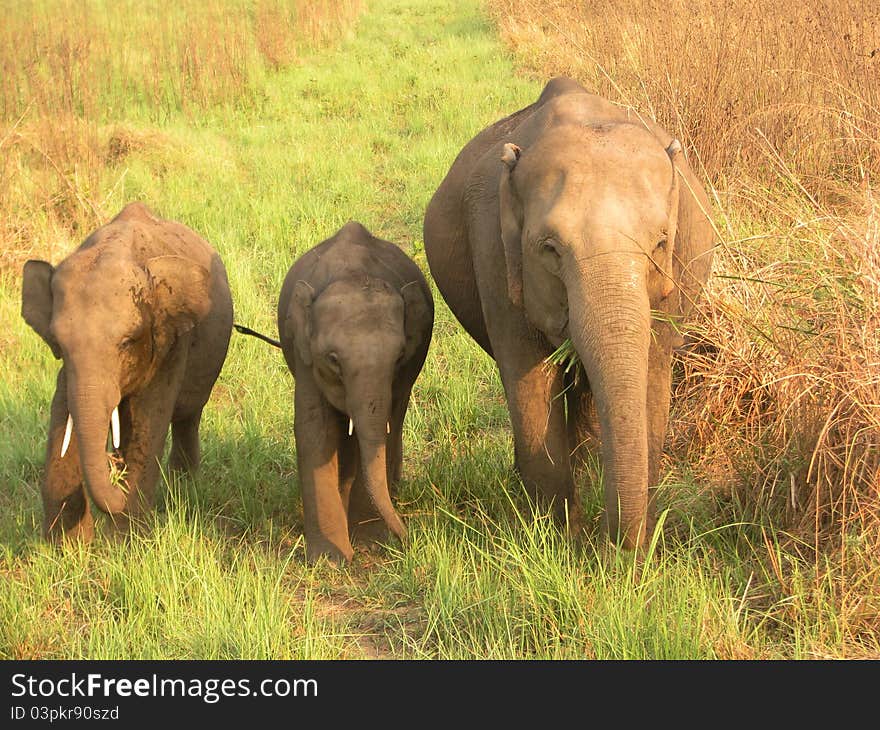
(571, 218)
(355, 318)
(140, 315)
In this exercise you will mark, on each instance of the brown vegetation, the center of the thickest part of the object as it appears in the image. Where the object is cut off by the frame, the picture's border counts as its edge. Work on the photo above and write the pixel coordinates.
(69, 70)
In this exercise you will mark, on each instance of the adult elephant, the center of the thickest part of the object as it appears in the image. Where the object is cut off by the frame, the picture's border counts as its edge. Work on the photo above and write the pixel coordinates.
(575, 218)
(141, 315)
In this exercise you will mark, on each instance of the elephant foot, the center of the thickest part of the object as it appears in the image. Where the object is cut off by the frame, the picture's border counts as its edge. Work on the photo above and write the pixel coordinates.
(317, 548)
(182, 463)
(370, 533)
(59, 530)
(181, 468)
(68, 519)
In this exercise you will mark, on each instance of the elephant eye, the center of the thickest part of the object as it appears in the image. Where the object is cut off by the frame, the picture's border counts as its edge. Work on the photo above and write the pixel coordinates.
(549, 256)
(548, 246)
(333, 361)
(134, 337)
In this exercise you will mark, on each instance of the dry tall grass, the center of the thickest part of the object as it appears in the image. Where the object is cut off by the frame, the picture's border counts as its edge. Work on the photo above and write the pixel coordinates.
(779, 106)
(732, 79)
(69, 69)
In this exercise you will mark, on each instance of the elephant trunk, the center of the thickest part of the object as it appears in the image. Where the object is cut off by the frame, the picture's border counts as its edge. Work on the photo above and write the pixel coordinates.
(91, 404)
(610, 326)
(371, 424)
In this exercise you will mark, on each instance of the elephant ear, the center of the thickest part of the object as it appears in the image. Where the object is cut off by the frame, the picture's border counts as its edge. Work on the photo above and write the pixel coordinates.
(181, 295)
(664, 251)
(511, 216)
(36, 301)
(418, 317)
(299, 319)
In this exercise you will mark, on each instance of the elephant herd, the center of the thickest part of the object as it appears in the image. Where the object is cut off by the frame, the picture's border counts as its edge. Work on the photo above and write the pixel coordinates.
(571, 219)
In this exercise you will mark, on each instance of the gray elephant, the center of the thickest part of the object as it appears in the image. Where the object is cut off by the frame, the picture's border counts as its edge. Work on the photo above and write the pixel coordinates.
(355, 318)
(576, 219)
(140, 315)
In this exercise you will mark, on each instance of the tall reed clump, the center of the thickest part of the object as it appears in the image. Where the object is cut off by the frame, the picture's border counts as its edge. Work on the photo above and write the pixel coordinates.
(69, 69)
(778, 399)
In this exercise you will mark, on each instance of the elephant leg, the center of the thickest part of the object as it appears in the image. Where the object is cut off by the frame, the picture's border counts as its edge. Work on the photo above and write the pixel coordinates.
(318, 433)
(66, 512)
(394, 450)
(658, 398)
(185, 449)
(533, 390)
(144, 419)
(582, 421)
(402, 392)
(537, 414)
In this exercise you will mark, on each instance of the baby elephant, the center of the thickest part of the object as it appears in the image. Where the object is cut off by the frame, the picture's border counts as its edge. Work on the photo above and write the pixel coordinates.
(141, 315)
(355, 318)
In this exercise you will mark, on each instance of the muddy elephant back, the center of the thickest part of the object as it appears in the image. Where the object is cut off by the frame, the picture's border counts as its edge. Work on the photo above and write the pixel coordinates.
(176, 239)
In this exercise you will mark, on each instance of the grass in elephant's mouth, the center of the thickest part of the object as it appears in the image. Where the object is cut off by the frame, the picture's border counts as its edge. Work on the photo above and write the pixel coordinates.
(118, 471)
(566, 357)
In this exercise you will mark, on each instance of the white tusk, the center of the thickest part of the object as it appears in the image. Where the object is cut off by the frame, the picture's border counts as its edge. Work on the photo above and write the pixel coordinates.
(387, 427)
(67, 431)
(114, 426)
(350, 427)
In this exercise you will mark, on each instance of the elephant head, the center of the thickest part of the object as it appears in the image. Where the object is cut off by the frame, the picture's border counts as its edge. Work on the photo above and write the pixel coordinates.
(355, 335)
(113, 322)
(588, 220)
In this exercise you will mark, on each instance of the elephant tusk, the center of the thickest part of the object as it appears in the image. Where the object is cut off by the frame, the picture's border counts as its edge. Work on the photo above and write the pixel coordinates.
(114, 426)
(68, 430)
(350, 426)
(387, 426)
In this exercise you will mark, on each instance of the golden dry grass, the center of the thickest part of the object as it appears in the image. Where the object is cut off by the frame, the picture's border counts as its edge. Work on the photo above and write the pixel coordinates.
(69, 70)
(778, 399)
(79, 57)
(732, 79)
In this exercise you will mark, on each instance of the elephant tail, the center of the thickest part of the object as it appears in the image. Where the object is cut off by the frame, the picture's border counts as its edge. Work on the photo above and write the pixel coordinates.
(253, 333)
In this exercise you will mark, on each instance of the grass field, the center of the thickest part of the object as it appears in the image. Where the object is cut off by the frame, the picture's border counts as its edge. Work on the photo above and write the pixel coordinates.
(296, 124)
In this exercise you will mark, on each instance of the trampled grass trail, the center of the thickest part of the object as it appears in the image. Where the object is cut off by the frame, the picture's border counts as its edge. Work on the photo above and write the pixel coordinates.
(364, 130)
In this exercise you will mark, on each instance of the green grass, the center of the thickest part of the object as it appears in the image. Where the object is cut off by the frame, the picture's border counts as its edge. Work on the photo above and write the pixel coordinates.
(363, 130)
